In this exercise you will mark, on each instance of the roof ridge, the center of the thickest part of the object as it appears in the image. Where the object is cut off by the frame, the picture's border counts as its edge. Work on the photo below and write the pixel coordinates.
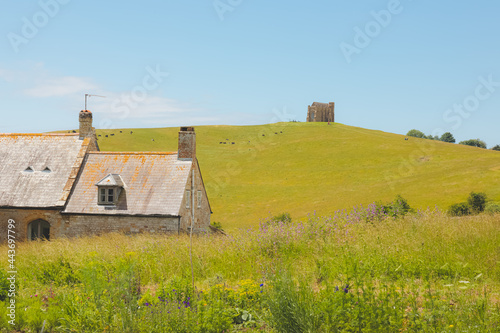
(133, 152)
(39, 134)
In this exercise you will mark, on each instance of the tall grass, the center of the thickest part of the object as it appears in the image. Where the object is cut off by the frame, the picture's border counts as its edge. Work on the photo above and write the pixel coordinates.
(345, 272)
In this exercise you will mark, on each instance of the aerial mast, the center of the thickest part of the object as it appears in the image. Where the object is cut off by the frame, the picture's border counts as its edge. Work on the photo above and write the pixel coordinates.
(89, 95)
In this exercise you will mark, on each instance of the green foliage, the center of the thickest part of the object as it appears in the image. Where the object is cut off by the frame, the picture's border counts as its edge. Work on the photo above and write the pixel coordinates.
(416, 133)
(447, 137)
(497, 148)
(363, 308)
(283, 218)
(4, 285)
(492, 207)
(398, 207)
(476, 202)
(459, 209)
(474, 143)
(217, 225)
(292, 308)
(58, 272)
(363, 305)
(177, 290)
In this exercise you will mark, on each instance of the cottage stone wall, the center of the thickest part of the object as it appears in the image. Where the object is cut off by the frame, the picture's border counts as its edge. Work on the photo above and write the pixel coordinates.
(81, 225)
(84, 225)
(23, 217)
(202, 215)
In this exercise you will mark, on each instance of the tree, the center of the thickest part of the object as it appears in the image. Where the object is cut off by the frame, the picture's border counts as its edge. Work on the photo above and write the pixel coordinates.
(416, 133)
(477, 201)
(447, 137)
(474, 143)
(459, 209)
(497, 147)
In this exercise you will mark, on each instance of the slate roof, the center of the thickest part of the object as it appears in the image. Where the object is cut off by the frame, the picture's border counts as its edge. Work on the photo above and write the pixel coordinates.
(62, 154)
(154, 184)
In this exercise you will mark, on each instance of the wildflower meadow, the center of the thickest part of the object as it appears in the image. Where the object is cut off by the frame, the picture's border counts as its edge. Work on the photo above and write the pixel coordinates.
(371, 269)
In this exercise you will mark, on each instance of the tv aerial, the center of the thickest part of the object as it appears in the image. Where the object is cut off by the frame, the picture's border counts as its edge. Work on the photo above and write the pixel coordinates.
(89, 95)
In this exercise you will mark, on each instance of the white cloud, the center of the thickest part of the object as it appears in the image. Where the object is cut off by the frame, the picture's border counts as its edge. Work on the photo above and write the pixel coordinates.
(119, 110)
(136, 107)
(7, 75)
(121, 106)
(62, 86)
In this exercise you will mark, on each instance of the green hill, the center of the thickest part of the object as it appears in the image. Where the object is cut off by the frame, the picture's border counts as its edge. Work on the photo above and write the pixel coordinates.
(303, 168)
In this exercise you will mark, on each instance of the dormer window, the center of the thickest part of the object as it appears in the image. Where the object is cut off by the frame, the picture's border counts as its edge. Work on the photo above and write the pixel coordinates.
(109, 189)
(47, 170)
(107, 196)
(29, 169)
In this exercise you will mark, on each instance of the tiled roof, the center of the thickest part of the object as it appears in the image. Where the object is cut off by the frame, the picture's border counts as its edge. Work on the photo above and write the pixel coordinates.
(154, 184)
(38, 170)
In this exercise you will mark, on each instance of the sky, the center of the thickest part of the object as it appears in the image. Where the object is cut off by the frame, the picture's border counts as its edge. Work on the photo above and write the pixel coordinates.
(390, 65)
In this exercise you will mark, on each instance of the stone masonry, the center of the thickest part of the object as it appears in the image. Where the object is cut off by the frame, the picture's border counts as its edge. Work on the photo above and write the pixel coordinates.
(321, 112)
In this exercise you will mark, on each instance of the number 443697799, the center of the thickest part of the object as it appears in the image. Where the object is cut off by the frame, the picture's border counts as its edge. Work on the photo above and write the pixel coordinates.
(11, 238)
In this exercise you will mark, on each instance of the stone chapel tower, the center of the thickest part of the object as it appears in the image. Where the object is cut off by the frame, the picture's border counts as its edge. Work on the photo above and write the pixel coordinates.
(321, 112)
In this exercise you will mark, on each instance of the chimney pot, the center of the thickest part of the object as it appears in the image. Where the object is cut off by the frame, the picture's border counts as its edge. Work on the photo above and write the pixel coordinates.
(187, 143)
(86, 129)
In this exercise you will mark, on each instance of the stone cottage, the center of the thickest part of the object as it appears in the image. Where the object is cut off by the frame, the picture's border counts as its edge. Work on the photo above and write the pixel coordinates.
(321, 112)
(55, 185)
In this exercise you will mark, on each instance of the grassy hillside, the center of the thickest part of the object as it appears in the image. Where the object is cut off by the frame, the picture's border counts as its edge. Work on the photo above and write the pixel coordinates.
(305, 167)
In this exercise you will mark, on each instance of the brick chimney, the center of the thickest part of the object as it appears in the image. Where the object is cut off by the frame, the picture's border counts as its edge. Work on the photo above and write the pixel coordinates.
(86, 129)
(187, 143)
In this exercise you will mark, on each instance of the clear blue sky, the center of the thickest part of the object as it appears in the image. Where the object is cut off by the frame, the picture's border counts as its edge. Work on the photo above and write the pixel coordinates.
(252, 62)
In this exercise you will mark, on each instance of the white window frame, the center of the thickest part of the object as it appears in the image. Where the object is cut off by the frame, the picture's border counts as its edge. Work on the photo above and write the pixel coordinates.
(188, 199)
(200, 196)
(110, 195)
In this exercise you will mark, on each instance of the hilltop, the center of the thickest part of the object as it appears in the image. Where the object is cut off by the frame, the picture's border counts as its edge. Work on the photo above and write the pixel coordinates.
(251, 172)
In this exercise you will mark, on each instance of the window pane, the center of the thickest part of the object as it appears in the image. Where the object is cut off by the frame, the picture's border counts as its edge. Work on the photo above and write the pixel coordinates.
(111, 195)
(199, 199)
(188, 199)
(103, 195)
(38, 229)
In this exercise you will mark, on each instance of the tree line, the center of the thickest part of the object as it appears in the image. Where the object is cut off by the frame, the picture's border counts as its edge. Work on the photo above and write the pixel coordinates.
(448, 137)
